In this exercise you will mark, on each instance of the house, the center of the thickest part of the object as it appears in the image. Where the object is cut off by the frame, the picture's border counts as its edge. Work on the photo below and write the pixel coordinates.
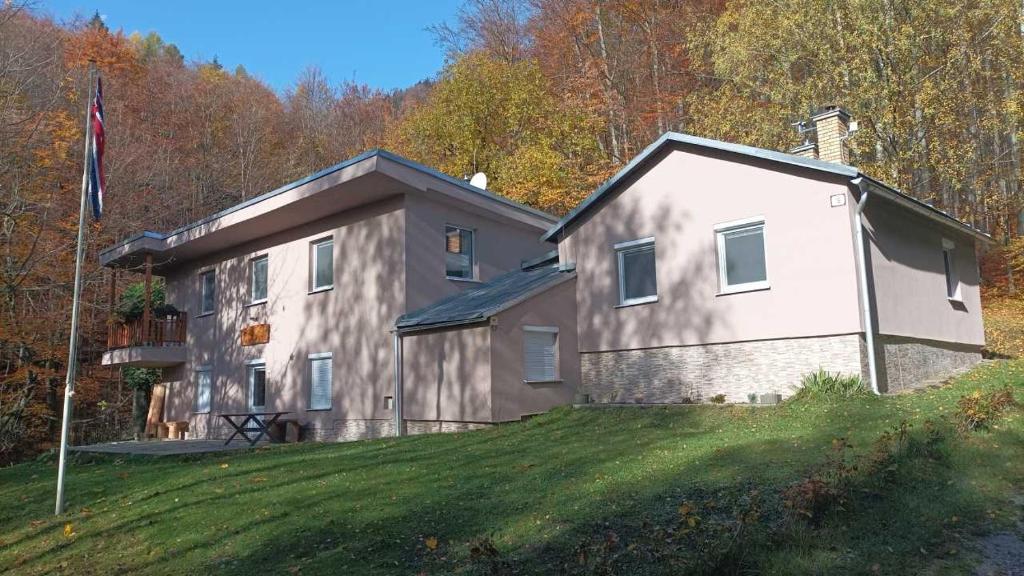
(288, 301)
(379, 296)
(705, 268)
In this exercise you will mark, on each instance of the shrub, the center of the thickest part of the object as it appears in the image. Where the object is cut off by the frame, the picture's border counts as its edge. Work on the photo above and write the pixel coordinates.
(717, 399)
(975, 411)
(825, 490)
(824, 384)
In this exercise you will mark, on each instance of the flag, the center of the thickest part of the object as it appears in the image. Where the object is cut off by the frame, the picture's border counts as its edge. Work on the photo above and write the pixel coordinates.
(97, 181)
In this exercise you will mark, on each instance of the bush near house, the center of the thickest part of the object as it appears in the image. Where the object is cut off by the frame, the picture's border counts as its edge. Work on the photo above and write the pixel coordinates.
(862, 485)
(830, 385)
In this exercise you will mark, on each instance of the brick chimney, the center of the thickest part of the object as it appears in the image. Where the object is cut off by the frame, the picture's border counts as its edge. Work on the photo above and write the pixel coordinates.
(832, 127)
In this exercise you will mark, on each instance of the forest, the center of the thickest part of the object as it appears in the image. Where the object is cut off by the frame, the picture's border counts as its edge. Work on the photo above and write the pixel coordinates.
(547, 97)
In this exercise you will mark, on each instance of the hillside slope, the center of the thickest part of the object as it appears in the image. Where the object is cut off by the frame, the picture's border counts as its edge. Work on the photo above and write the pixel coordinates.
(589, 491)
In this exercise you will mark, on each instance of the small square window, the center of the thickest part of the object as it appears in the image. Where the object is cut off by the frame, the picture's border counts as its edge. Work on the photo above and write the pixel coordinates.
(258, 280)
(459, 253)
(638, 278)
(208, 291)
(741, 256)
(322, 265)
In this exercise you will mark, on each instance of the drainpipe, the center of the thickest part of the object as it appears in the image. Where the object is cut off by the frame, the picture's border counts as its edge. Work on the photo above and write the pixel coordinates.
(399, 385)
(862, 269)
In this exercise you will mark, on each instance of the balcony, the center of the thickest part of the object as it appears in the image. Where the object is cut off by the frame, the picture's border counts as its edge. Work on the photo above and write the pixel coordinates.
(147, 342)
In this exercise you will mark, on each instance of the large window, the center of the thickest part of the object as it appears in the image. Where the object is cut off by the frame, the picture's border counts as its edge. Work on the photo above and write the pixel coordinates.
(322, 264)
(207, 291)
(204, 389)
(540, 354)
(258, 280)
(320, 381)
(458, 253)
(952, 275)
(638, 279)
(741, 256)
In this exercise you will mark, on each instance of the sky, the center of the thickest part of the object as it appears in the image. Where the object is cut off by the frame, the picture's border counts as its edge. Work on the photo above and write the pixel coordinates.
(384, 44)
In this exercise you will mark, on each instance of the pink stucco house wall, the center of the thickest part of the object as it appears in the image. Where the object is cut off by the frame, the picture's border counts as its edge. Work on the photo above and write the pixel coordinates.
(788, 226)
(702, 268)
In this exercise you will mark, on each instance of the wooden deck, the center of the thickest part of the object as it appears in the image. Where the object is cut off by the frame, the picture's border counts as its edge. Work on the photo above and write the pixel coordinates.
(165, 447)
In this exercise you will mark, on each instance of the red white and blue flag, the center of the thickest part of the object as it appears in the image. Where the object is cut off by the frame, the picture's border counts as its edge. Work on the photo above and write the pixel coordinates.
(97, 181)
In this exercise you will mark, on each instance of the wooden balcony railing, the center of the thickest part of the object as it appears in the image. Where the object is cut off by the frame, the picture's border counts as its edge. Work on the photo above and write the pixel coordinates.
(169, 331)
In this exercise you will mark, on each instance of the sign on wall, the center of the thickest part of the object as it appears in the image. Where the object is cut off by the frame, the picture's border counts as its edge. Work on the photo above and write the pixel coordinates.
(255, 334)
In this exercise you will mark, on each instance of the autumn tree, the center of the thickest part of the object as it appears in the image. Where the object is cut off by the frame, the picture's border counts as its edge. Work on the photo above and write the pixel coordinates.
(489, 115)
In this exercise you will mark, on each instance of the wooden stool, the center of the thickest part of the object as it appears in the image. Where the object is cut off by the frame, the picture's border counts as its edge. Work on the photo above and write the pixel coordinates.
(176, 430)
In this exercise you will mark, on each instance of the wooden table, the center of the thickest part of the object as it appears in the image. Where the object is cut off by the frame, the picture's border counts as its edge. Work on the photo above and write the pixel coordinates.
(252, 422)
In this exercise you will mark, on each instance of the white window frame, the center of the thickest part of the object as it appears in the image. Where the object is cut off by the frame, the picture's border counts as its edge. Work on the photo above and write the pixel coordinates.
(623, 248)
(557, 377)
(950, 273)
(472, 257)
(314, 256)
(202, 292)
(723, 279)
(252, 278)
(250, 368)
(330, 396)
(209, 371)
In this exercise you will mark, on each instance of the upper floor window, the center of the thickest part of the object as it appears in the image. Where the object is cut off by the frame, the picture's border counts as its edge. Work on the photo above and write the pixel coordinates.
(741, 256)
(258, 280)
(952, 275)
(459, 253)
(207, 291)
(638, 279)
(322, 264)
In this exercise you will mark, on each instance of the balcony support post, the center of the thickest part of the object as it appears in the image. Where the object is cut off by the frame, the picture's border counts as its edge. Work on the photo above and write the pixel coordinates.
(112, 318)
(147, 310)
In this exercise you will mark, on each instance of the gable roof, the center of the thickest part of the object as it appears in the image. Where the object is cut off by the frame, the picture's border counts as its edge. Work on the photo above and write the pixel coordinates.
(152, 242)
(592, 202)
(484, 301)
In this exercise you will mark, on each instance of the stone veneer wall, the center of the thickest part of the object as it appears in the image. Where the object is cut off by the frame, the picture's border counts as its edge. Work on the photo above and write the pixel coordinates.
(907, 363)
(696, 373)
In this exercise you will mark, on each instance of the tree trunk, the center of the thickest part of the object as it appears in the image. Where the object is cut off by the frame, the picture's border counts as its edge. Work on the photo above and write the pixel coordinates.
(140, 411)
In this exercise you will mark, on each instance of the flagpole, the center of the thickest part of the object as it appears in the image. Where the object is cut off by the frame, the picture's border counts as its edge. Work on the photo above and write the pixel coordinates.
(69, 383)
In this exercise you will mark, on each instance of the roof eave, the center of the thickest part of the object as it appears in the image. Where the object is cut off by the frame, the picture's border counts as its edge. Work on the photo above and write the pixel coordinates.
(921, 208)
(485, 315)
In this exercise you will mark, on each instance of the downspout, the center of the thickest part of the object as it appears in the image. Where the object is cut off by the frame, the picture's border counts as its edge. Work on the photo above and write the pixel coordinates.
(862, 269)
(399, 385)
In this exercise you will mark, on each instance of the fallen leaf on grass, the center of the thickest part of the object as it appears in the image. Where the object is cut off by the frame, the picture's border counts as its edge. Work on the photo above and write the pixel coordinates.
(69, 530)
(431, 543)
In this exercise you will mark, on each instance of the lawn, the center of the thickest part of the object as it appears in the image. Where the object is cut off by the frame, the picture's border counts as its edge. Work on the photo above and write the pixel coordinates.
(612, 490)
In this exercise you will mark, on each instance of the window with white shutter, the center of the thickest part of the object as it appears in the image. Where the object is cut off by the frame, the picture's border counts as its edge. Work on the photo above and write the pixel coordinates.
(204, 389)
(540, 353)
(320, 381)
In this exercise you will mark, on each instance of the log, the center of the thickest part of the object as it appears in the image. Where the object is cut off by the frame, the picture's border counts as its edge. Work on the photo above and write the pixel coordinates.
(156, 409)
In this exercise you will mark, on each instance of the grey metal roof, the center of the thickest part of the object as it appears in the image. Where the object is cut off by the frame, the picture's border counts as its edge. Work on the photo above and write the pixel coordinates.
(762, 153)
(479, 303)
(327, 171)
